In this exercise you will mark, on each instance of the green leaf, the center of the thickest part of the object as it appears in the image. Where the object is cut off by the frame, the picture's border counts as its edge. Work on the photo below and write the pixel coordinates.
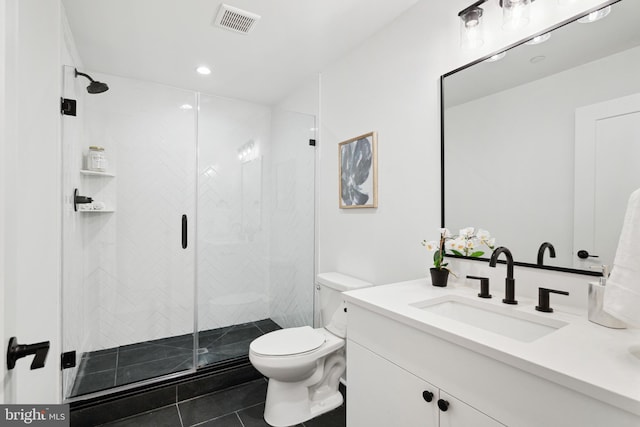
(456, 252)
(477, 254)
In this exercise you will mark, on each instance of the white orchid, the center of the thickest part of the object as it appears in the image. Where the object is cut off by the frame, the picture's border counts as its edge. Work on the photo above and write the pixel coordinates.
(466, 232)
(464, 244)
(445, 232)
(431, 245)
(458, 244)
(483, 235)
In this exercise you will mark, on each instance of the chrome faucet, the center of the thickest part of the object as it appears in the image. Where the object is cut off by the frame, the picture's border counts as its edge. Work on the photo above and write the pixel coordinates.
(510, 283)
(552, 252)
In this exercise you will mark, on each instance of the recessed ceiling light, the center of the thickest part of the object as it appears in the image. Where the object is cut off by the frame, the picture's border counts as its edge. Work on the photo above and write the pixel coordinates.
(595, 16)
(539, 39)
(186, 107)
(496, 57)
(204, 70)
(537, 59)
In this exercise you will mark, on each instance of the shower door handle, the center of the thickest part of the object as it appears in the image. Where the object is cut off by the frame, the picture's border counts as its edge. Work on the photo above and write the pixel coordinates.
(184, 232)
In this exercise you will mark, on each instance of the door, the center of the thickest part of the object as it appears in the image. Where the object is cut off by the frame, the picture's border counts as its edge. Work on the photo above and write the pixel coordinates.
(128, 260)
(382, 394)
(456, 413)
(607, 172)
(30, 195)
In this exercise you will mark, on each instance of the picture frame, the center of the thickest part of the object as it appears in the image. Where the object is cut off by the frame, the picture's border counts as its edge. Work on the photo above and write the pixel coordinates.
(358, 172)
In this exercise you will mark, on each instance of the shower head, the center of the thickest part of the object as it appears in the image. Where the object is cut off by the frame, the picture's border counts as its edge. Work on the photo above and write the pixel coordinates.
(94, 86)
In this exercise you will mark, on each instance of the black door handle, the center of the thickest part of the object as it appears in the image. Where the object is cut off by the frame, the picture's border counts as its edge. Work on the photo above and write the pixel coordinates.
(16, 351)
(184, 232)
(582, 254)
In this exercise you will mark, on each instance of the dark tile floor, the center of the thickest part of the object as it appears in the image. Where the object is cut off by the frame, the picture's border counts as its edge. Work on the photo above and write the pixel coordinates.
(240, 406)
(104, 369)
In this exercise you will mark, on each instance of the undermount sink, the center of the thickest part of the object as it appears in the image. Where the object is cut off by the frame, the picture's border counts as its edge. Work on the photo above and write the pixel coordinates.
(506, 321)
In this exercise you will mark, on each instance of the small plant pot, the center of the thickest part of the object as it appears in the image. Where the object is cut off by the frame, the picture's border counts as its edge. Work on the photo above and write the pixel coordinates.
(439, 277)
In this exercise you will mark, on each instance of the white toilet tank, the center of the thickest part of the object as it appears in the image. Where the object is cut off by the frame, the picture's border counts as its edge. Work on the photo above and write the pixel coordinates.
(333, 314)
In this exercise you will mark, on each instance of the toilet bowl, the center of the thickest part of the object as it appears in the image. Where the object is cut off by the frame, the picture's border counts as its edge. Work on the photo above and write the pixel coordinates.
(304, 365)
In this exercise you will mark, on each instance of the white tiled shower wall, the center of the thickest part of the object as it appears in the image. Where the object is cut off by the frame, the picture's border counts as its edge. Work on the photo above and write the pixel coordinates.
(292, 196)
(233, 233)
(139, 279)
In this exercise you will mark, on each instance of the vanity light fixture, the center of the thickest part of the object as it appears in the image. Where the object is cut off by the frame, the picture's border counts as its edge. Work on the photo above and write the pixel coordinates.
(515, 13)
(496, 57)
(471, 29)
(204, 70)
(539, 39)
(596, 16)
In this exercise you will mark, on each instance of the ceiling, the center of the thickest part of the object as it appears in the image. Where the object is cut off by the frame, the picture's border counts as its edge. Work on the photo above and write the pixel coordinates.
(165, 40)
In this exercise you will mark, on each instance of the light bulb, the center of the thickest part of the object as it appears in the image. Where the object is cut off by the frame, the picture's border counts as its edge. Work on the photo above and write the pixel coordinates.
(539, 39)
(595, 16)
(515, 13)
(204, 70)
(471, 32)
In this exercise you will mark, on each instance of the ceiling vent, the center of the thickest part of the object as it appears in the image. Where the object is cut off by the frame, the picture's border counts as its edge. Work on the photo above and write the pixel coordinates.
(234, 19)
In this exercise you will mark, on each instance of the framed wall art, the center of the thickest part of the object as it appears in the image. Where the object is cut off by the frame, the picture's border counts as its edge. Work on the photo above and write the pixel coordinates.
(358, 172)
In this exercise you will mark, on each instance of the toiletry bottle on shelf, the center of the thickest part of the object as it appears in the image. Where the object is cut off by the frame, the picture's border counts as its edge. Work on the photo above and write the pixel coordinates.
(596, 298)
(96, 159)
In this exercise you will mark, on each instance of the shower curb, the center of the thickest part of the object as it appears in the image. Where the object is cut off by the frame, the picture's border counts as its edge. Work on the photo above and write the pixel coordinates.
(104, 409)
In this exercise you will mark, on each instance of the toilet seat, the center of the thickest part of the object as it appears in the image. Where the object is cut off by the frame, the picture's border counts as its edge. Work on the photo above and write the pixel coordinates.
(287, 342)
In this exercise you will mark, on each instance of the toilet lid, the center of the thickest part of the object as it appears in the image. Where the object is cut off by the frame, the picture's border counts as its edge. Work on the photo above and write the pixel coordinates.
(288, 341)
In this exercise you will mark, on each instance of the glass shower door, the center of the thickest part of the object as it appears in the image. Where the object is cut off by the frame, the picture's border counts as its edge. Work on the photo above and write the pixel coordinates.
(255, 224)
(129, 254)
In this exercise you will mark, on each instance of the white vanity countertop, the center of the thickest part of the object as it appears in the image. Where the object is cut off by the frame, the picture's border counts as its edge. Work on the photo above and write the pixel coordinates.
(582, 356)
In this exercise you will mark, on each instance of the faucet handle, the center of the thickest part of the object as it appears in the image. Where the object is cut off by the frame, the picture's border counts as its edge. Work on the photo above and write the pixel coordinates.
(484, 286)
(543, 299)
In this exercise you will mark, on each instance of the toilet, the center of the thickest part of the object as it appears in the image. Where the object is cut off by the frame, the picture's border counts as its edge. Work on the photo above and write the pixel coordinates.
(304, 365)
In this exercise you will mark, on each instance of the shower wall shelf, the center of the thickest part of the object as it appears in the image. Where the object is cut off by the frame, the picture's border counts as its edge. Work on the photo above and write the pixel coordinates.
(94, 173)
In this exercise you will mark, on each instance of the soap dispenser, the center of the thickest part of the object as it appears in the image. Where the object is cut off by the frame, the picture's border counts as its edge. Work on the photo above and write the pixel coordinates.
(596, 298)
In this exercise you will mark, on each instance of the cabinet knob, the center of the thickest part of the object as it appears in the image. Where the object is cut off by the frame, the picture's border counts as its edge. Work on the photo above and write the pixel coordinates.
(427, 395)
(443, 405)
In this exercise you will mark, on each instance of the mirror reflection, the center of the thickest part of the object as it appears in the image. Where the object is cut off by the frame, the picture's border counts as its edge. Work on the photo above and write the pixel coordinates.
(542, 145)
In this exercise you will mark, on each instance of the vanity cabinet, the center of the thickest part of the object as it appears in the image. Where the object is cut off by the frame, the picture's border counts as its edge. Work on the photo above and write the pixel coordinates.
(383, 394)
(390, 363)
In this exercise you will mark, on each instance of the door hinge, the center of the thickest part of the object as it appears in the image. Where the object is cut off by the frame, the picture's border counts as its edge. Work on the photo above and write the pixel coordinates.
(312, 142)
(68, 106)
(68, 359)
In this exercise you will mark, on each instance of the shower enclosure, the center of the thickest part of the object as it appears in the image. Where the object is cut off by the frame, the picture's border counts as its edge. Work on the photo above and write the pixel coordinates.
(198, 237)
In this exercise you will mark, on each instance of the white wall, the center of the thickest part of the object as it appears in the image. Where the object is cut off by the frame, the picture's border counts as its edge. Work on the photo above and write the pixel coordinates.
(391, 84)
(489, 146)
(31, 202)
